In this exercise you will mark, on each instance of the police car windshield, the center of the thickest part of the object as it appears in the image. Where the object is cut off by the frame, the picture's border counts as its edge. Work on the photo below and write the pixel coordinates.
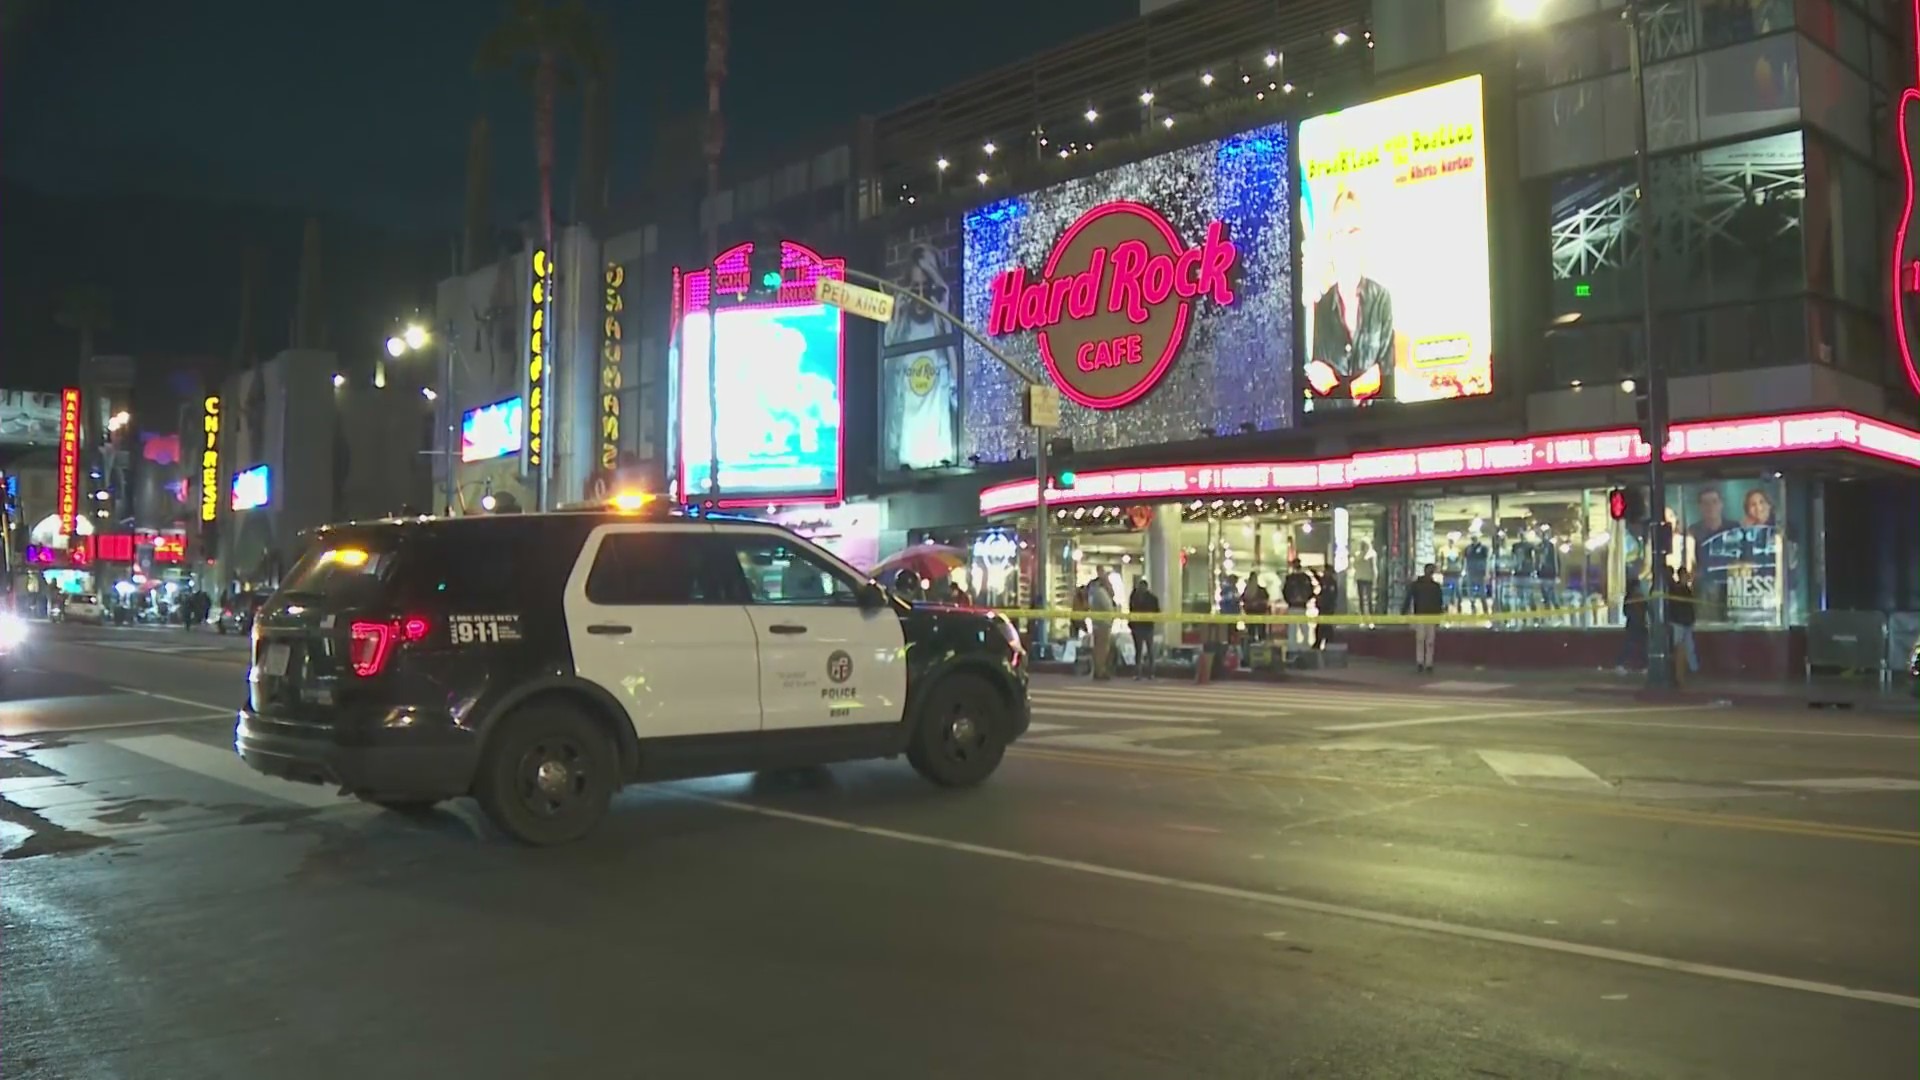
(344, 568)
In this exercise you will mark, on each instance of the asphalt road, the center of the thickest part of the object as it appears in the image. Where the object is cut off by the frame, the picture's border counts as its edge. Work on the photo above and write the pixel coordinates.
(1163, 881)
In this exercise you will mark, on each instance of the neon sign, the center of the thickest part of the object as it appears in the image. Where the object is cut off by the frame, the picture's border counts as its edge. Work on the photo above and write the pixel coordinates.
(1115, 296)
(210, 460)
(1906, 261)
(69, 476)
(610, 369)
(1835, 430)
(541, 296)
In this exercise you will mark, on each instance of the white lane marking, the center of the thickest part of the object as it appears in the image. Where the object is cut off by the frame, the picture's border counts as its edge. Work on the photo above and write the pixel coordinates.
(1373, 746)
(1287, 695)
(1203, 829)
(1275, 935)
(164, 721)
(157, 696)
(224, 766)
(1515, 766)
(1541, 714)
(1383, 918)
(1037, 728)
(1149, 734)
(1042, 709)
(1844, 784)
(1103, 742)
(1745, 729)
(1465, 686)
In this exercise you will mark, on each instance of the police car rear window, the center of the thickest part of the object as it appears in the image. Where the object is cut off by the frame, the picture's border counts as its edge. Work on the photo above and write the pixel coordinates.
(348, 569)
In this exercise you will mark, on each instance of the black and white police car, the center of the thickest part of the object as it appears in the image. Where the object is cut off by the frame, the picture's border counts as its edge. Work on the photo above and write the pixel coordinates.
(540, 661)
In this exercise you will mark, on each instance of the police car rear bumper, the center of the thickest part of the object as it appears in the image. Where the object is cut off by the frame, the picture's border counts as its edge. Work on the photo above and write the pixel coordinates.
(398, 764)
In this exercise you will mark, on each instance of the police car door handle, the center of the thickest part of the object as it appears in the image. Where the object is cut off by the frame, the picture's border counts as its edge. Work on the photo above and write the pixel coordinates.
(609, 628)
(786, 628)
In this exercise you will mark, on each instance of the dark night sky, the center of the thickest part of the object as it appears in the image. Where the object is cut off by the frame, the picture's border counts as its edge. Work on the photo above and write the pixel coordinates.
(360, 107)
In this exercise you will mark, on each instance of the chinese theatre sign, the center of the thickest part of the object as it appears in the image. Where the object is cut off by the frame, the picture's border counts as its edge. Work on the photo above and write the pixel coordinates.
(610, 357)
(1110, 309)
(1906, 244)
(539, 301)
(210, 459)
(69, 476)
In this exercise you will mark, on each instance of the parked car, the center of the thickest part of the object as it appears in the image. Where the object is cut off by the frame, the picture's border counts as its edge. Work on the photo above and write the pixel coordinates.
(83, 607)
(236, 616)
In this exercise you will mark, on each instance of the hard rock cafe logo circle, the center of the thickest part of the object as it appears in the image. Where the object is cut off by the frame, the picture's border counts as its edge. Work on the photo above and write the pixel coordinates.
(1111, 308)
(920, 376)
(839, 666)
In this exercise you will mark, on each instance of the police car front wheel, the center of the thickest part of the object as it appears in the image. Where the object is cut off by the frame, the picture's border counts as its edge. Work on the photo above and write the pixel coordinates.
(547, 775)
(961, 734)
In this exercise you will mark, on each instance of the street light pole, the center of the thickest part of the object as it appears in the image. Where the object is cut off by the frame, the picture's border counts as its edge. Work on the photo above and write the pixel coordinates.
(1659, 643)
(715, 140)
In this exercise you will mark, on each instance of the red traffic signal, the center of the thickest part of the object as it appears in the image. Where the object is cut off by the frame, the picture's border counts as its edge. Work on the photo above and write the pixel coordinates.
(1627, 504)
(1617, 504)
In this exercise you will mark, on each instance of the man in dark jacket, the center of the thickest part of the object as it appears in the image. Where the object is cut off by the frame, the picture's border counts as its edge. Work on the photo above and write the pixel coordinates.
(1142, 602)
(1680, 616)
(1424, 598)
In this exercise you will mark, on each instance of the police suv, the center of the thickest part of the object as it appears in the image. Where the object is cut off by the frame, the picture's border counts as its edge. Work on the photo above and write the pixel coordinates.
(538, 662)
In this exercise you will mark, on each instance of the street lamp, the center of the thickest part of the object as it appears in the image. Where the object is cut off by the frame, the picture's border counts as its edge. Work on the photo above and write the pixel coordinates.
(1659, 644)
(415, 337)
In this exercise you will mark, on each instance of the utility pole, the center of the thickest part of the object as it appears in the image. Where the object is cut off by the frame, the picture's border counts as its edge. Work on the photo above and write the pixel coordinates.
(1659, 641)
(715, 141)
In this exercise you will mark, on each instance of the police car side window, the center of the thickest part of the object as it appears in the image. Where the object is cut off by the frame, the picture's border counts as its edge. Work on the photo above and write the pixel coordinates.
(779, 572)
(648, 568)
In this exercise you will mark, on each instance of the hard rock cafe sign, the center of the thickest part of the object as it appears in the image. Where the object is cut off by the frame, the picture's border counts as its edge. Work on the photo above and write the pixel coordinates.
(1906, 237)
(1111, 307)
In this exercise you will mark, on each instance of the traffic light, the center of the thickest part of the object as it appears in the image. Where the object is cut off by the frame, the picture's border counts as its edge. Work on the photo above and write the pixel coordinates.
(1060, 474)
(1628, 504)
(764, 271)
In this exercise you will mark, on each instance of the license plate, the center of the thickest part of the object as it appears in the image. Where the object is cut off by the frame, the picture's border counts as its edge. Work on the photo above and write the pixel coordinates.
(274, 661)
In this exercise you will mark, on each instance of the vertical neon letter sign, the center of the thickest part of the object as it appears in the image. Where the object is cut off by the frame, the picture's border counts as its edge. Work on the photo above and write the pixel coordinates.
(610, 356)
(69, 475)
(537, 358)
(1906, 263)
(210, 459)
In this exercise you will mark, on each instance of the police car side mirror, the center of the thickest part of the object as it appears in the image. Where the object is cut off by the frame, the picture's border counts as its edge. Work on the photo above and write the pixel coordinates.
(872, 596)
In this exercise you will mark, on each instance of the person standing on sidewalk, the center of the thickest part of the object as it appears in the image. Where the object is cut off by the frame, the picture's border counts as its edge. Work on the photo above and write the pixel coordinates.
(1298, 590)
(1680, 616)
(1142, 602)
(1633, 642)
(1424, 597)
(1100, 605)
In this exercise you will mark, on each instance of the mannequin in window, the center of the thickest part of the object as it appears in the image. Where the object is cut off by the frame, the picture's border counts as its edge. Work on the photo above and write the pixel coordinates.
(1526, 562)
(1478, 559)
(1366, 562)
(1450, 573)
(1547, 571)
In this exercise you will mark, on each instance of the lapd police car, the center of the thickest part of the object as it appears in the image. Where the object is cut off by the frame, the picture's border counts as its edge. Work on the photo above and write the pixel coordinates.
(538, 662)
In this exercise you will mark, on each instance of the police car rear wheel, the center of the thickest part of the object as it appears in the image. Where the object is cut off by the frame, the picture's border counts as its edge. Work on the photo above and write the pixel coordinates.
(961, 735)
(547, 776)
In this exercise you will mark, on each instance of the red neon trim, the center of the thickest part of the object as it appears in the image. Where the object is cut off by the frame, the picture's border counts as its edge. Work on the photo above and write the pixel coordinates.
(1174, 340)
(1562, 452)
(1907, 98)
(692, 293)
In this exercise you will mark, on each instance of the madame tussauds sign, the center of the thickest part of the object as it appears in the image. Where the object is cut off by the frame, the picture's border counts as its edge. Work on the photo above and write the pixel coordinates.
(1111, 308)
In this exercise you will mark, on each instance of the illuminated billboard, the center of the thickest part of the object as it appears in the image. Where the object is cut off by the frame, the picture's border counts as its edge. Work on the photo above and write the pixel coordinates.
(252, 488)
(1158, 296)
(491, 431)
(68, 478)
(1394, 254)
(776, 379)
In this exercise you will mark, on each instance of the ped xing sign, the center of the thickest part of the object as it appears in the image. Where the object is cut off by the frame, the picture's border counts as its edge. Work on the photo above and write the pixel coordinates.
(854, 300)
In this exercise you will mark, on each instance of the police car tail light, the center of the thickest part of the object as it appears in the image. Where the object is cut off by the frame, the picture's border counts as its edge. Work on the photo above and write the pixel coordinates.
(371, 646)
(372, 643)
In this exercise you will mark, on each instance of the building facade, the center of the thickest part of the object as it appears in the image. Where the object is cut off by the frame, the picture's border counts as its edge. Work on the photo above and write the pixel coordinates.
(1425, 342)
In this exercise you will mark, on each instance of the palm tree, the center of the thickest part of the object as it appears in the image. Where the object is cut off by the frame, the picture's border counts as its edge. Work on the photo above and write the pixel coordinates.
(553, 47)
(87, 310)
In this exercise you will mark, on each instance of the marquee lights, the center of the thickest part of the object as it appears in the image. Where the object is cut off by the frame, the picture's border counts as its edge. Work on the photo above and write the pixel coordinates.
(1834, 430)
(1906, 263)
(540, 300)
(210, 459)
(69, 476)
(610, 369)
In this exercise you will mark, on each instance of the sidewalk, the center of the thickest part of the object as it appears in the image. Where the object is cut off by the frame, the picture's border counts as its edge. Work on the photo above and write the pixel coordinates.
(1588, 683)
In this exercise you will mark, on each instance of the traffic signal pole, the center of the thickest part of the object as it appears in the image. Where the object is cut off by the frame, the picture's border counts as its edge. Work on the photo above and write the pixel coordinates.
(1659, 638)
(1039, 434)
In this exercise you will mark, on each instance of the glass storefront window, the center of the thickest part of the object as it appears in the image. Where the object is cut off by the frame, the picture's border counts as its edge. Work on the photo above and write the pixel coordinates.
(1730, 535)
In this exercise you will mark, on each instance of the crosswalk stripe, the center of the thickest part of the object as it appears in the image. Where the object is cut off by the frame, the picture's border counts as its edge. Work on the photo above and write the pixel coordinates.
(225, 766)
(1116, 706)
(1206, 717)
(1516, 767)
